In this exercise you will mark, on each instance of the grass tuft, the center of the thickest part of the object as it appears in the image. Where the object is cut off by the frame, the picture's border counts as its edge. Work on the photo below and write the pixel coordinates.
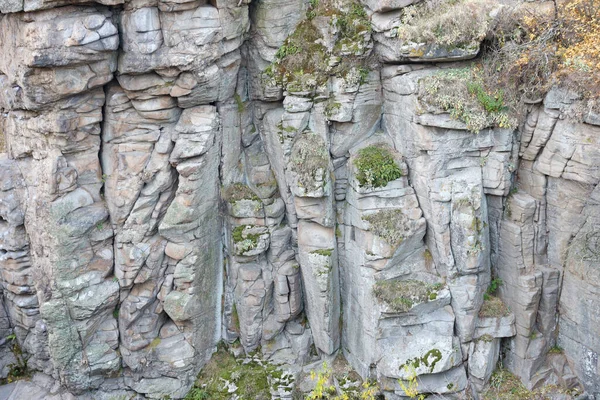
(401, 296)
(376, 166)
(447, 23)
(390, 225)
(466, 97)
(493, 307)
(237, 192)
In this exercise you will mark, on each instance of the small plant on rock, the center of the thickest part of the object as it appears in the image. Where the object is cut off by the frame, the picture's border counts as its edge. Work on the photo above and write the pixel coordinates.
(447, 23)
(391, 225)
(237, 192)
(310, 160)
(410, 387)
(376, 166)
(556, 349)
(465, 95)
(19, 369)
(401, 296)
(493, 307)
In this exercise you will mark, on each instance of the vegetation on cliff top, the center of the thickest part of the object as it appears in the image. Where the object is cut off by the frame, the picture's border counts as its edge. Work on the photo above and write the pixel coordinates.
(307, 59)
(464, 94)
(535, 47)
(529, 50)
(447, 23)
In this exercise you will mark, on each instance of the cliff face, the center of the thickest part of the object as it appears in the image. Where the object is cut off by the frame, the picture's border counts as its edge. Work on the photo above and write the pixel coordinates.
(169, 182)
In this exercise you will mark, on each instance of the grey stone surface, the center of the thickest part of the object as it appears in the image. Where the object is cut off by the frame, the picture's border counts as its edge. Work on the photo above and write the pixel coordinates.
(159, 195)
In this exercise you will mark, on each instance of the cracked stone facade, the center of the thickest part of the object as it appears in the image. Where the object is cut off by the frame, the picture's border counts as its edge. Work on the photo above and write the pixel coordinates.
(158, 195)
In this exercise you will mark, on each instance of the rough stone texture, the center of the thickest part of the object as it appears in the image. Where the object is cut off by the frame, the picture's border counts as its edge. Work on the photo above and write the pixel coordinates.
(157, 195)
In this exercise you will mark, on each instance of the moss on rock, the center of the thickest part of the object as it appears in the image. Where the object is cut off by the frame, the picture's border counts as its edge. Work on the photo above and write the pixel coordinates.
(304, 63)
(376, 166)
(226, 377)
(323, 252)
(428, 360)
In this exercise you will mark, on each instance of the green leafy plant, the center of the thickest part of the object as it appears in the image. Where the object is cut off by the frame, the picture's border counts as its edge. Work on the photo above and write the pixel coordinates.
(376, 166)
(492, 103)
(492, 288)
(19, 369)
(467, 97)
(410, 387)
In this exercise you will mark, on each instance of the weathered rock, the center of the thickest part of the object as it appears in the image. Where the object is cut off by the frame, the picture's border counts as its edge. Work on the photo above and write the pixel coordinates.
(159, 193)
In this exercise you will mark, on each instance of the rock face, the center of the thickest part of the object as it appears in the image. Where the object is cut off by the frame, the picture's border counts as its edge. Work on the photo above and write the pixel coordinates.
(159, 193)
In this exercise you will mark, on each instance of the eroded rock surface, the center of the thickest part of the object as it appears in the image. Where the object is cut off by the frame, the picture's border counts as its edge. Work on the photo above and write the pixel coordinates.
(162, 191)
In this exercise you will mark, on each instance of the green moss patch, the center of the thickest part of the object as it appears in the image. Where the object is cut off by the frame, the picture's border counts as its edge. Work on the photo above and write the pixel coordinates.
(428, 360)
(401, 296)
(243, 239)
(323, 252)
(391, 225)
(251, 377)
(466, 97)
(303, 63)
(376, 166)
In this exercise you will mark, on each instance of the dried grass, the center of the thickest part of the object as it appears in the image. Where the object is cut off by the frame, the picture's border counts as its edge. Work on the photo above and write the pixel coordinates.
(448, 23)
(493, 307)
(400, 296)
(391, 225)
